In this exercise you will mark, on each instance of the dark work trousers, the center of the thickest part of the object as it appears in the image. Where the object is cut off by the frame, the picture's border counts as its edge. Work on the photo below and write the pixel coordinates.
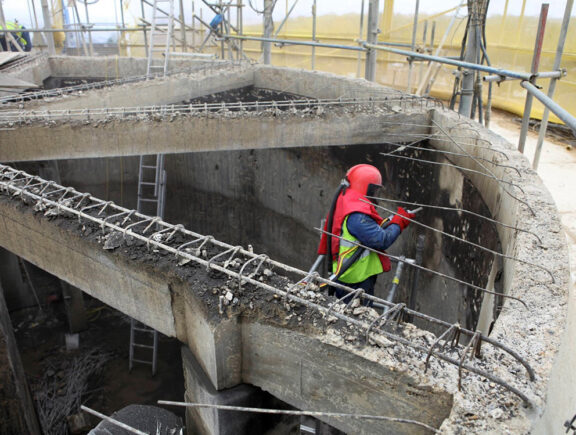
(368, 286)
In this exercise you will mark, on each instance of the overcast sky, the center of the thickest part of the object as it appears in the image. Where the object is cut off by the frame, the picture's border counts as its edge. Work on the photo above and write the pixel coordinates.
(107, 11)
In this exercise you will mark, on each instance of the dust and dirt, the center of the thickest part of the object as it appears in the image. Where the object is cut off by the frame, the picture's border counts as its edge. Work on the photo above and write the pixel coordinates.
(96, 373)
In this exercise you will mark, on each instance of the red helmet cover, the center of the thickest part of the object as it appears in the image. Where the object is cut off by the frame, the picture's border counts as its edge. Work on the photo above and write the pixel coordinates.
(361, 176)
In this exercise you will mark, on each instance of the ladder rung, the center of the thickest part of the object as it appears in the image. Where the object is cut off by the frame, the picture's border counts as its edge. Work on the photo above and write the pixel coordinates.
(141, 361)
(146, 346)
(136, 328)
(148, 200)
(149, 167)
(148, 183)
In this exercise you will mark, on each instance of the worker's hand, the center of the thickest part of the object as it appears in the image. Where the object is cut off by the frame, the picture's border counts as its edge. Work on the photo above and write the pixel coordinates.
(400, 218)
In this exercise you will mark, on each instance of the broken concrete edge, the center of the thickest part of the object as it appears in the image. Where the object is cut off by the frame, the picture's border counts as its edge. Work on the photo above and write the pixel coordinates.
(512, 324)
(211, 133)
(216, 346)
(219, 341)
(536, 331)
(318, 85)
(198, 80)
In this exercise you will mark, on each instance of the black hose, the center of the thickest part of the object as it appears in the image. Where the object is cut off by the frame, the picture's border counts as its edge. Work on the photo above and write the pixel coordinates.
(329, 223)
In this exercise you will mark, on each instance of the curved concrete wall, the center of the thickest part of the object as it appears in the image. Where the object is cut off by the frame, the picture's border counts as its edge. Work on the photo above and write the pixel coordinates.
(536, 331)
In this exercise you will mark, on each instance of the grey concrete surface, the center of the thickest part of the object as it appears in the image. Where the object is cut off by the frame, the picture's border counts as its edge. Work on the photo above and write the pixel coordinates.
(158, 91)
(199, 389)
(194, 134)
(230, 349)
(136, 292)
(306, 372)
(539, 332)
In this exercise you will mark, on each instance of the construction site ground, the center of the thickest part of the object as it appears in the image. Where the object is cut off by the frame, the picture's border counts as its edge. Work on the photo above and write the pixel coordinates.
(49, 365)
(557, 168)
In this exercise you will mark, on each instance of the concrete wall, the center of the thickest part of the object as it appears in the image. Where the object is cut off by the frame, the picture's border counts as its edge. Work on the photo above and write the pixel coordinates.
(238, 346)
(537, 330)
(59, 252)
(170, 90)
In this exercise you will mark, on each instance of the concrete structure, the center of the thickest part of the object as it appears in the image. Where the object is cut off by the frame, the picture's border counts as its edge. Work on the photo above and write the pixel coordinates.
(260, 347)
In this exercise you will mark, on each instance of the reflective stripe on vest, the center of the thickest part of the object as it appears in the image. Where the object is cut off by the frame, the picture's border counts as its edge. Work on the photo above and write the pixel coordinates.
(367, 265)
(10, 25)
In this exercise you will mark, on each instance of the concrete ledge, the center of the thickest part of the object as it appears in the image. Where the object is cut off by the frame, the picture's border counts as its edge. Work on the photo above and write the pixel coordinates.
(193, 134)
(536, 331)
(159, 91)
(199, 389)
(138, 292)
(310, 374)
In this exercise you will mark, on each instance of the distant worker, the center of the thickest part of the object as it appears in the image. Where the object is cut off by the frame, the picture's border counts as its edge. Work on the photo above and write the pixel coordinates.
(21, 38)
(216, 21)
(353, 218)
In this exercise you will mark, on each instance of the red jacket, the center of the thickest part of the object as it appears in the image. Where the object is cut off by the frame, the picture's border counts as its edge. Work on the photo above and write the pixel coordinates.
(348, 202)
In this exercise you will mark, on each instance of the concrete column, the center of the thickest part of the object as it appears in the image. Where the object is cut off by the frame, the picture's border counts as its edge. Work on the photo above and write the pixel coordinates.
(74, 307)
(268, 29)
(199, 389)
(371, 55)
(17, 414)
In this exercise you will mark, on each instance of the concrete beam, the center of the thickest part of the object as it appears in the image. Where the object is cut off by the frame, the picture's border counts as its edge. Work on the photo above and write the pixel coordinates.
(231, 348)
(306, 371)
(170, 90)
(193, 134)
(112, 279)
(199, 389)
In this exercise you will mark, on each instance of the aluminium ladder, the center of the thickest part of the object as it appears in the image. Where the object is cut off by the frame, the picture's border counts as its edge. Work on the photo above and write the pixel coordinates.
(161, 35)
(151, 199)
(139, 329)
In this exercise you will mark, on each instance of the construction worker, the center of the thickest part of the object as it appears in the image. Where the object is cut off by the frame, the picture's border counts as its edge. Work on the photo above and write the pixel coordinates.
(353, 219)
(18, 37)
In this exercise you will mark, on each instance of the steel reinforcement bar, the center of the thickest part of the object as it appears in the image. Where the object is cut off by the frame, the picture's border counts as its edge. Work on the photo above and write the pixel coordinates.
(49, 93)
(22, 117)
(158, 234)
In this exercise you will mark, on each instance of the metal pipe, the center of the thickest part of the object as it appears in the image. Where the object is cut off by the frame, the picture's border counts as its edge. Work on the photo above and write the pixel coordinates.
(413, 44)
(420, 243)
(300, 413)
(88, 26)
(47, 26)
(292, 42)
(314, 35)
(394, 44)
(559, 111)
(372, 37)
(183, 28)
(285, 18)
(395, 281)
(100, 29)
(360, 37)
(552, 85)
(541, 75)
(533, 70)
(196, 55)
(268, 28)
(471, 56)
(454, 62)
(111, 420)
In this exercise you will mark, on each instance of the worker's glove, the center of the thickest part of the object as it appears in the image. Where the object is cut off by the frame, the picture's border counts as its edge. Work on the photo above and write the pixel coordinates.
(400, 218)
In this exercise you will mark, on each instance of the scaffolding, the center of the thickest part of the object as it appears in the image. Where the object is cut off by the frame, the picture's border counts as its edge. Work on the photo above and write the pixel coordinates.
(474, 68)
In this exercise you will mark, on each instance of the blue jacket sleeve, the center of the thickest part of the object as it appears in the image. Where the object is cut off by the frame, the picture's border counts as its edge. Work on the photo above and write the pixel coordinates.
(369, 233)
